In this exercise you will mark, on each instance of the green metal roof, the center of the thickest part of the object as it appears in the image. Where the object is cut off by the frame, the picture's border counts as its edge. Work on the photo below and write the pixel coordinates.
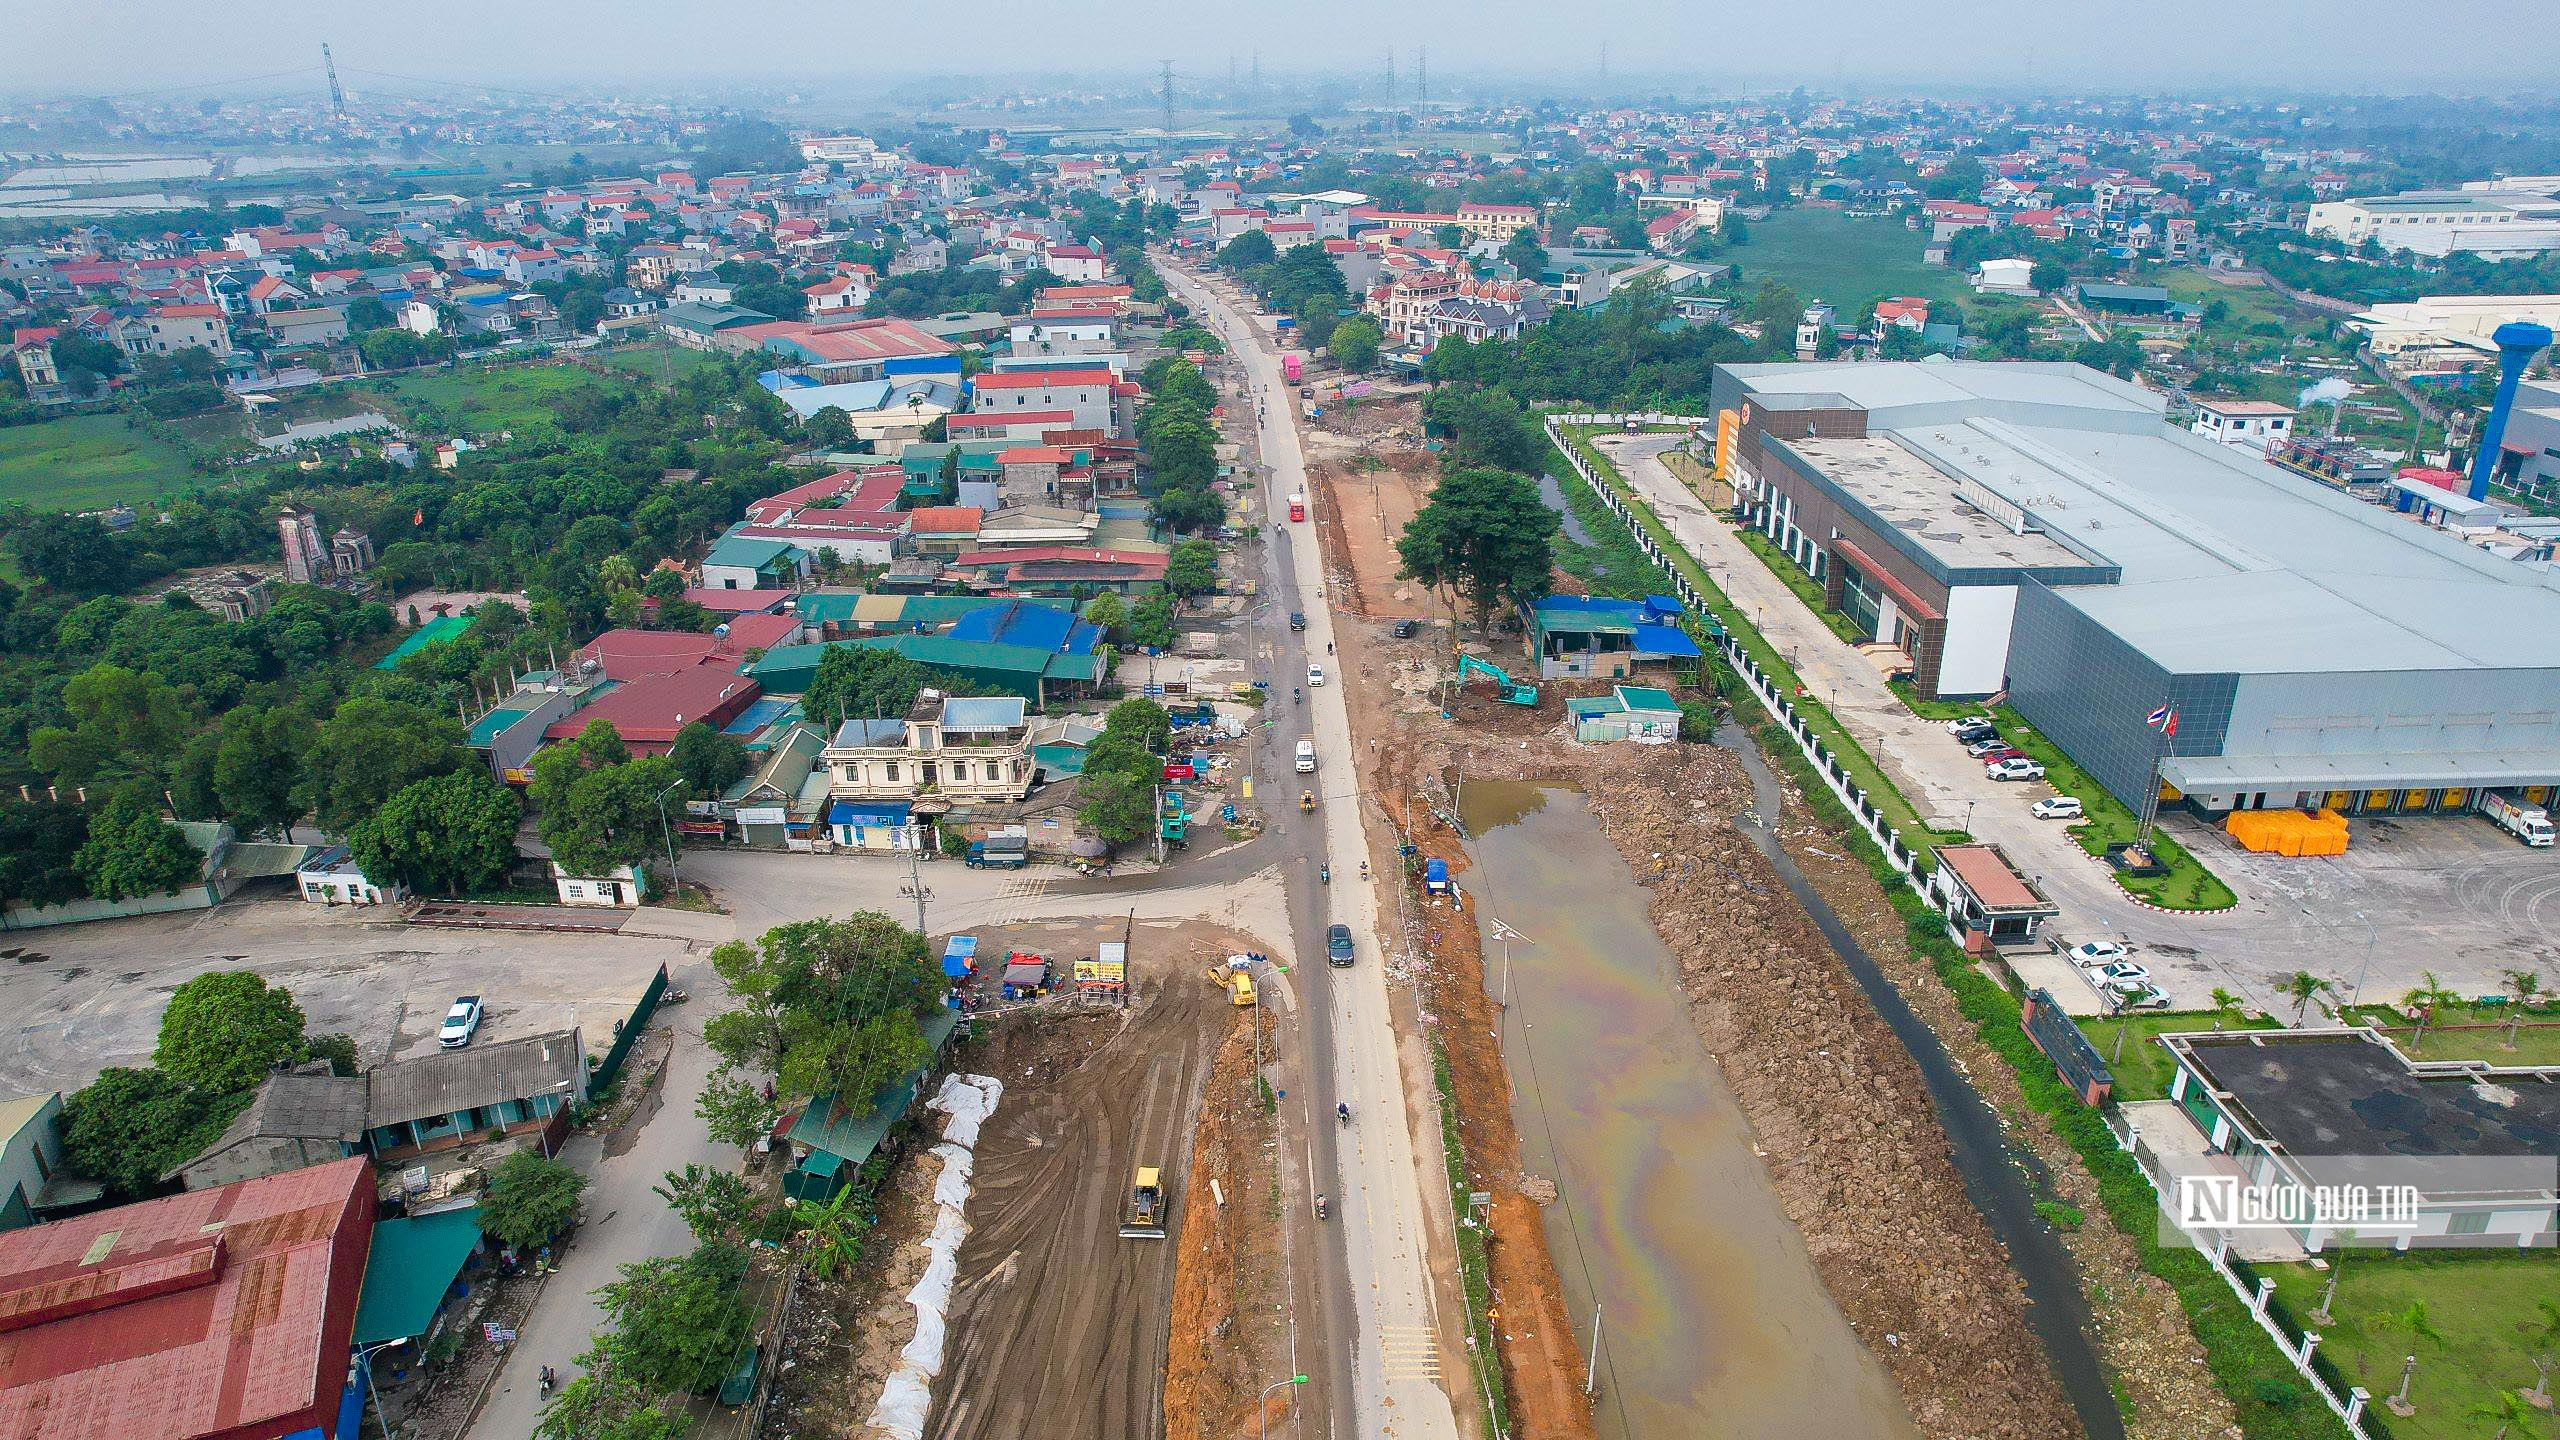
(434, 632)
(748, 551)
(828, 1127)
(486, 729)
(415, 1260)
(1646, 697)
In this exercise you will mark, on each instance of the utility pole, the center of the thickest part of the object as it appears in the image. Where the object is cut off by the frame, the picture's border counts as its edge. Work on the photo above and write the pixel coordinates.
(1604, 65)
(1591, 1374)
(915, 883)
(337, 93)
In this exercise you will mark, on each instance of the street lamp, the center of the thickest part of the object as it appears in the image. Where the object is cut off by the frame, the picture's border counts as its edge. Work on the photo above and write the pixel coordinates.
(1262, 1402)
(363, 1361)
(673, 874)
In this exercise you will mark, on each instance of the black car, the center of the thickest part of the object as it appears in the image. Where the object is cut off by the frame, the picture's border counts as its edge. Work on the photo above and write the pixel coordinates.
(1403, 629)
(1975, 734)
(1297, 621)
(1337, 946)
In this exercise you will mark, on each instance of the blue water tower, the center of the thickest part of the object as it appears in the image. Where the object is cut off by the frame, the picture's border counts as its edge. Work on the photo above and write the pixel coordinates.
(2518, 341)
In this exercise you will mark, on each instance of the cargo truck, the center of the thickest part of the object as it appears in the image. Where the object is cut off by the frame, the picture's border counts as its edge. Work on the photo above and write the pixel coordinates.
(2527, 822)
(1297, 507)
(1006, 849)
(1293, 365)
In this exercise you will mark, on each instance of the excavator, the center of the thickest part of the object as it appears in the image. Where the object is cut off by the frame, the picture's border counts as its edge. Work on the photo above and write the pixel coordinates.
(1506, 689)
(1145, 1217)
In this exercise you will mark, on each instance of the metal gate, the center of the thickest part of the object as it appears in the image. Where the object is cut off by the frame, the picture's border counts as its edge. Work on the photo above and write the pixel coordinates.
(627, 1032)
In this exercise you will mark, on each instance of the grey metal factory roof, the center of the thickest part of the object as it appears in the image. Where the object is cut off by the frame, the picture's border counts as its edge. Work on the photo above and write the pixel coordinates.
(1916, 498)
(2424, 769)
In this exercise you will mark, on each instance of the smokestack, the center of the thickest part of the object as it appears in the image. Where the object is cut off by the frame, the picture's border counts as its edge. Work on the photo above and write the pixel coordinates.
(2518, 341)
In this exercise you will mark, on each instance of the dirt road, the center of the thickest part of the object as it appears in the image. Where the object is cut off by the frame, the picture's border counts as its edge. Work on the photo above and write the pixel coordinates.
(1058, 1324)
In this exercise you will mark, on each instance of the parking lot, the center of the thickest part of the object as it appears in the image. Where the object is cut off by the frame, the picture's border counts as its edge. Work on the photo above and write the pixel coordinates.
(80, 999)
(2455, 895)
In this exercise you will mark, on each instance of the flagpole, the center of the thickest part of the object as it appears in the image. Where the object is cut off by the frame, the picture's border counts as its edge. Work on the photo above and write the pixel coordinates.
(2167, 728)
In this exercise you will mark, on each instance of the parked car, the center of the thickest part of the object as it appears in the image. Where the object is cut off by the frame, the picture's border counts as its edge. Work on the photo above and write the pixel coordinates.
(460, 1023)
(1337, 946)
(2057, 807)
(1999, 752)
(1315, 674)
(2098, 952)
(1962, 723)
(1297, 620)
(1976, 734)
(2016, 767)
(1985, 745)
(1404, 629)
(2123, 972)
(2138, 997)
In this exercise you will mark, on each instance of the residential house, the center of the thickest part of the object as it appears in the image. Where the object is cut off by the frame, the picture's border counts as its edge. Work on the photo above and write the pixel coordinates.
(453, 1097)
(305, 1116)
(332, 877)
(950, 748)
(33, 1179)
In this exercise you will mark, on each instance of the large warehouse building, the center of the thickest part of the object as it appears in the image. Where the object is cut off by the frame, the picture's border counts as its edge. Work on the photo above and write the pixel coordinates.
(2040, 529)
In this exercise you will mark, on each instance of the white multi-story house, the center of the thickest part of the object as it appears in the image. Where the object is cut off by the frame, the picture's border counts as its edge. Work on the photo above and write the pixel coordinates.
(957, 748)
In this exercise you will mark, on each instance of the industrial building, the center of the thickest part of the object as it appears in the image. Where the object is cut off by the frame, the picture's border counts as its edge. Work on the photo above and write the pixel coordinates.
(2041, 530)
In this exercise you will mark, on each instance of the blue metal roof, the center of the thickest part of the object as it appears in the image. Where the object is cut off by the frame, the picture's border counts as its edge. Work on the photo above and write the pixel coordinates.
(1665, 640)
(1029, 623)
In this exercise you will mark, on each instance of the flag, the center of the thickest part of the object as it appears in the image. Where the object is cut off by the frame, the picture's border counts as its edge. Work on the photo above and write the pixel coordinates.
(2164, 720)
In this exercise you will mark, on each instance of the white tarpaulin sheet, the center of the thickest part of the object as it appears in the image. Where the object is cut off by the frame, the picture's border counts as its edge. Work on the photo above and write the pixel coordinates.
(908, 1396)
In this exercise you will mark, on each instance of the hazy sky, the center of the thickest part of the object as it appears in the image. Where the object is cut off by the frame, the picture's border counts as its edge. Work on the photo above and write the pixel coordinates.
(835, 46)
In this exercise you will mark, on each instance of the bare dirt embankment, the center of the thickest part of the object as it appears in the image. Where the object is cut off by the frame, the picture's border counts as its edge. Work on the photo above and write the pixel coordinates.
(1228, 1284)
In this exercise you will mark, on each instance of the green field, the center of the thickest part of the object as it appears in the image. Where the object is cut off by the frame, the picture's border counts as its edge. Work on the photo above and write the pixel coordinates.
(656, 359)
(2142, 1068)
(86, 462)
(1845, 261)
(481, 399)
(2480, 1306)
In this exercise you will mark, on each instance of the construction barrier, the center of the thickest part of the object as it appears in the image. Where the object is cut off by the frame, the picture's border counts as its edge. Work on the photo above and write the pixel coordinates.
(2288, 832)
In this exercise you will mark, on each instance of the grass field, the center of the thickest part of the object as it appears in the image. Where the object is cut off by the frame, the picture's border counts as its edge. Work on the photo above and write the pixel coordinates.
(1843, 260)
(656, 359)
(2447, 1038)
(481, 399)
(2480, 1306)
(85, 462)
(2143, 1069)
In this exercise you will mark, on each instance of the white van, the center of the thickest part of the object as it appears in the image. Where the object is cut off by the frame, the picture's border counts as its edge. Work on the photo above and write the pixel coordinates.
(1306, 757)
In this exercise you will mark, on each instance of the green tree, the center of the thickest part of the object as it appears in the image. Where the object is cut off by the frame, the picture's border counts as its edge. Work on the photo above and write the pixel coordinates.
(714, 1204)
(2302, 987)
(226, 1030)
(601, 808)
(1191, 570)
(1355, 343)
(677, 1322)
(447, 834)
(1151, 622)
(1248, 251)
(372, 748)
(1114, 807)
(122, 722)
(1182, 454)
(709, 761)
(868, 682)
(826, 1006)
(2525, 987)
(834, 1235)
(2047, 276)
(1110, 613)
(531, 1199)
(74, 554)
(128, 1128)
(1524, 254)
(1143, 721)
(2428, 997)
(734, 1109)
(257, 766)
(132, 851)
(1484, 534)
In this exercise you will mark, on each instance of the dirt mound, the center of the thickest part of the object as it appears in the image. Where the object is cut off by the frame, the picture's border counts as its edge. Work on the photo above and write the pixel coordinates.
(1211, 1381)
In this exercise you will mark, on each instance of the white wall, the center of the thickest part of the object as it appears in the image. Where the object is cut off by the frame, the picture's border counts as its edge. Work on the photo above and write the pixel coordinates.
(1975, 660)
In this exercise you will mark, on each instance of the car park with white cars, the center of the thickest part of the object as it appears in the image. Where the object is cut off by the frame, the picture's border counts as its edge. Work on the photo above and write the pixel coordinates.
(2057, 807)
(2016, 767)
(2098, 952)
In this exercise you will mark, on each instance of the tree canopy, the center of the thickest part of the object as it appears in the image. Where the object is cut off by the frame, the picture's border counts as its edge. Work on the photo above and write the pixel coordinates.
(1485, 534)
(447, 834)
(225, 1031)
(602, 808)
(826, 1005)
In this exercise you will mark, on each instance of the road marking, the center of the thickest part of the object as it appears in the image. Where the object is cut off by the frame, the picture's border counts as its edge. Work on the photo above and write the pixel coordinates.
(1409, 1352)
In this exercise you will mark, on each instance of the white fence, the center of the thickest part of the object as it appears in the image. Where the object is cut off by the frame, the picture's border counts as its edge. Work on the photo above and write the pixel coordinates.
(1764, 686)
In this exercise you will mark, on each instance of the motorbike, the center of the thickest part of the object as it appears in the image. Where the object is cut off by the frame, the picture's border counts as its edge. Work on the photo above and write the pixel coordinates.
(549, 1379)
(1323, 1210)
(1342, 1112)
(1324, 874)
(1307, 802)
(1364, 869)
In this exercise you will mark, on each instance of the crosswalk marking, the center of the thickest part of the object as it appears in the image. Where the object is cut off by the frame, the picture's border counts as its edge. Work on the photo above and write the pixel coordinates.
(1410, 1352)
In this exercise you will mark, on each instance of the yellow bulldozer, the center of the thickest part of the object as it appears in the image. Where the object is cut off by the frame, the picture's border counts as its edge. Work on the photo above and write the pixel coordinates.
(1144, 1219)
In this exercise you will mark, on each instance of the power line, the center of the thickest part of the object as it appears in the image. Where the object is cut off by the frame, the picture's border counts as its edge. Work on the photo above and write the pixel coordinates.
(201, 84)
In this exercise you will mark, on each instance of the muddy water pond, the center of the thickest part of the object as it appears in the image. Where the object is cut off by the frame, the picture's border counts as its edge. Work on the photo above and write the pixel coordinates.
(1713, 1321)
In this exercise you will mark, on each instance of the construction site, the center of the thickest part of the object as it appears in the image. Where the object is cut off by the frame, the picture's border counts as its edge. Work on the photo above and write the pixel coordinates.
(1080, 1307)
(1831, 1103)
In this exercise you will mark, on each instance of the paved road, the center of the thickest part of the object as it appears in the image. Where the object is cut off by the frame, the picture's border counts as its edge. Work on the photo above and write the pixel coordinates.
(2456, 897)
(1374, 1181)
(625, 1221)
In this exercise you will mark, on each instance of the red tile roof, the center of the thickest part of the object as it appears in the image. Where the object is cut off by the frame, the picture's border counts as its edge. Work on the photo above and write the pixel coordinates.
(945, 519)
(648, 712)
(221, 1314)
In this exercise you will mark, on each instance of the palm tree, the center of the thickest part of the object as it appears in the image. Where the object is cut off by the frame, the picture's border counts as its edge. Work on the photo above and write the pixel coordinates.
(2337, 1267)
(2426, 997)
(2302, 987)
(2524, 985)
(2507, 1409)
(2224, 999)
(2542, 1337)
(2414, 1322)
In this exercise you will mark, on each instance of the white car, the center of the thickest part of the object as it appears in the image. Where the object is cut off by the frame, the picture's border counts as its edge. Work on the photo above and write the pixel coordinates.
(2123, 972)
(2017, 767)
(2057, 807)
(1315, 674)
(1967, 722)
(2098, 952)
(2138, 997)
(1984, 747)
(460, 1023)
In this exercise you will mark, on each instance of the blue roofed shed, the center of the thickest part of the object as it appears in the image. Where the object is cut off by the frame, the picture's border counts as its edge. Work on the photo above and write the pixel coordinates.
(1595, 638)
